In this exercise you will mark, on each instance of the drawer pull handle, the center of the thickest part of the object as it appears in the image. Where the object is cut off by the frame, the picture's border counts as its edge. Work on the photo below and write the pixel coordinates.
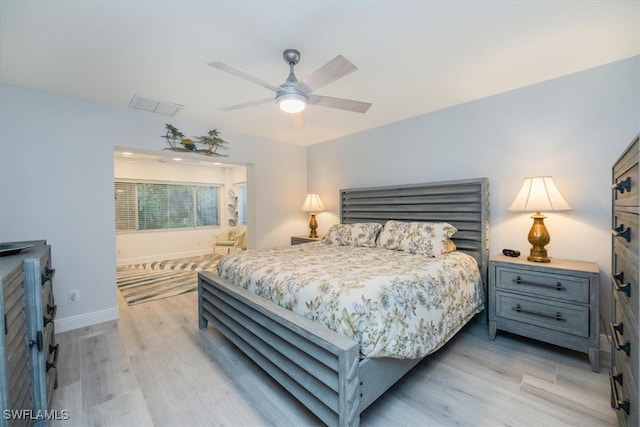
(55, 356)
(623, 186)
(616, 376)
(48, 274)
(616, 403)
(558, 286)
(37, 342)
(617, 284)
(620, 231)
(618, 327)
(52, 314)
(557, 316)
(617, 330)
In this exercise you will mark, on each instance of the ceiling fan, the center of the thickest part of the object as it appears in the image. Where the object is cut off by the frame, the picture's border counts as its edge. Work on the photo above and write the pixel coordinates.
(292, 96)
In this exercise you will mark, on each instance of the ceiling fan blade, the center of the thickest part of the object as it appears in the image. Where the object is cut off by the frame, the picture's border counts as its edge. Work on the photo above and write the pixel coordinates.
(339, 103)
(246, 104)
(333, 70)
(296, 119)
(243, 75)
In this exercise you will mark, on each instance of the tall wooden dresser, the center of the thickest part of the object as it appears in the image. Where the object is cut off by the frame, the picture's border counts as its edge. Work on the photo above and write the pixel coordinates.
(625, 258)
(28, 351)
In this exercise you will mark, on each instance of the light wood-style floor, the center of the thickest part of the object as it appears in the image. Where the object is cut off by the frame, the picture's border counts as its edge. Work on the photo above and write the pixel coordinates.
(154, 367)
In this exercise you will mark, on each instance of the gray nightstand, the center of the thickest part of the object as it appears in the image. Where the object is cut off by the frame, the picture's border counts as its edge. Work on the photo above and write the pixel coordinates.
(555, 302)
(296, 240)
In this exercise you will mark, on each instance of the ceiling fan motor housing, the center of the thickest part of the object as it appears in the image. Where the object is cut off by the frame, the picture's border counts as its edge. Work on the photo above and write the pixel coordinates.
(289, 97)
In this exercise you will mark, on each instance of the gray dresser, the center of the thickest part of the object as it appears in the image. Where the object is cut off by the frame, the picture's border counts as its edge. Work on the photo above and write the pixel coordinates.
(556, 302)
(626, 293)
(28, 351)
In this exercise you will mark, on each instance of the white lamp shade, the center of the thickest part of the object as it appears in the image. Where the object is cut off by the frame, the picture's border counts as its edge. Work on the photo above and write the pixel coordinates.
(539, 194)
(312, 203)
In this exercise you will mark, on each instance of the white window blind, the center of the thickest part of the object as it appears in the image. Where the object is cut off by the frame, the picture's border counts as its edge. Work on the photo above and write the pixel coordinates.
(157, 206)
(126, 206)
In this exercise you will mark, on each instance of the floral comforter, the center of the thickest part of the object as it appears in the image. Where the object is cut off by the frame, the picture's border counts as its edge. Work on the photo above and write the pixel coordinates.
(395, 304)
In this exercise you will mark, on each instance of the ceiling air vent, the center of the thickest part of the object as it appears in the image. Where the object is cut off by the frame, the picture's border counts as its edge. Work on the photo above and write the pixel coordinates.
(151, 106)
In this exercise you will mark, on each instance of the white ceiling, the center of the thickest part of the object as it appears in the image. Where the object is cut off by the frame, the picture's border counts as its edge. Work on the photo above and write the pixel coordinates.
(414, 57)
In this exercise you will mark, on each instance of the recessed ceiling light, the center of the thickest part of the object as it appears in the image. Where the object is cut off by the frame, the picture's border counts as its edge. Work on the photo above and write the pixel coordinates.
(177, 159)
(126, 153)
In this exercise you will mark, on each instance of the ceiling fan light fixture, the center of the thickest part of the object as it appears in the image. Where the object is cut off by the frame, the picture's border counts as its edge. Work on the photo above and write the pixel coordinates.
(292, 103)
(293, 95)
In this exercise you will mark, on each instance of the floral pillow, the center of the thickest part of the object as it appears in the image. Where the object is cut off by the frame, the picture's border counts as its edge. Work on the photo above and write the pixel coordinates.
(424, 238)
(360, 234)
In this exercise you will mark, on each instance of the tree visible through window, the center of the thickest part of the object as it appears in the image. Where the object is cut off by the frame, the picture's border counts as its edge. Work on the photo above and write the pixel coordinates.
(151, 206)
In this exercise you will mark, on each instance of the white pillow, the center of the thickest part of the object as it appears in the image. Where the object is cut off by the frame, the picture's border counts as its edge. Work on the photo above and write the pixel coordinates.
(424, 238)
(359, 234)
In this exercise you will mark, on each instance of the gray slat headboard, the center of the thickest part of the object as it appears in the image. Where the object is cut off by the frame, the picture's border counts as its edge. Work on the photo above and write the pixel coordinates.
(462, 203)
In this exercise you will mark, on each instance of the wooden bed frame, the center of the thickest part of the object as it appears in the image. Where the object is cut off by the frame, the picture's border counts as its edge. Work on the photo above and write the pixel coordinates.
(318, 366)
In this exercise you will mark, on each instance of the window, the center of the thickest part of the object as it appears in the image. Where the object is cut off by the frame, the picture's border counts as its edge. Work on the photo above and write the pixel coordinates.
(152, 206)
(242, 204)
(126, 218)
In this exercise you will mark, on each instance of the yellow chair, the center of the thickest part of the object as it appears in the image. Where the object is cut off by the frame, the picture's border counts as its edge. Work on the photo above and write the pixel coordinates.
(230, 239)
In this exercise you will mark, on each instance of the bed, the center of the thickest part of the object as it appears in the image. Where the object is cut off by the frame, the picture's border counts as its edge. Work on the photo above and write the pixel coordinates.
(329, 372)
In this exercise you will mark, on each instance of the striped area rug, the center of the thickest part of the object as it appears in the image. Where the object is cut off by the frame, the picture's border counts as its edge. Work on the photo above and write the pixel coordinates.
(151, 281)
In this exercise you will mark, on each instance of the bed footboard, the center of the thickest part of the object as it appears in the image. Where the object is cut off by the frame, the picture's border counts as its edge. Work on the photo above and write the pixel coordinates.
(317, 366)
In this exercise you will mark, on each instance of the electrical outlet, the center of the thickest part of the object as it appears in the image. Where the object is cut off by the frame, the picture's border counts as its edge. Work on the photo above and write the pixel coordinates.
(74, 296)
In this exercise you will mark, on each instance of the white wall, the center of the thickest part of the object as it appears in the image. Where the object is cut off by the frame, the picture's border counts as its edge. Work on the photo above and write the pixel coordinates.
(572, 128)
(56, 183)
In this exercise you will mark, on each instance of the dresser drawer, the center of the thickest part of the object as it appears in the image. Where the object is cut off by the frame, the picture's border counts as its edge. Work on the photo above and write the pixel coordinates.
(556, 286)
(625, 229)
(51, 368)
(624, 333)
(625, 278)
(625, 178)
(624, 396)
(48, 300)
(625, 194)
(48, 339)
(556, 316)
(49, 310)
(630, 383)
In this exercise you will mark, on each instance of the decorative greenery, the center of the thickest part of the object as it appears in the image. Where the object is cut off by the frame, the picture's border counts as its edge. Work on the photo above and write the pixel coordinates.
(211, 142)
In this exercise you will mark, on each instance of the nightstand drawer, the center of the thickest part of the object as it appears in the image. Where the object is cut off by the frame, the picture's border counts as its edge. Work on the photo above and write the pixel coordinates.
(556, 286)
(557, 316)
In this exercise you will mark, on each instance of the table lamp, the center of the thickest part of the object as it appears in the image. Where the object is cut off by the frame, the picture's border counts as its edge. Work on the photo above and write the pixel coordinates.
(312, 204)
(539, 194)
